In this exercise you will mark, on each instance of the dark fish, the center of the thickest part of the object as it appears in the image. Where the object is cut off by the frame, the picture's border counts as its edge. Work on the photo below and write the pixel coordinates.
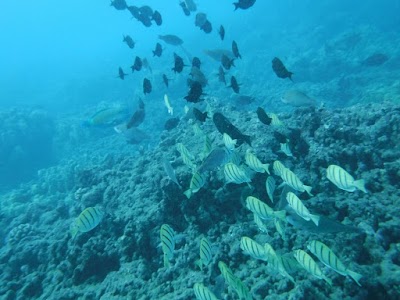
(157, 18)
(199, 115)
(171, 123)
(198, 75)
(138, 116)
(146, 65)
(171, 39)
(215, 159)
(195, 92)
(158, 51)
(135, 12)
(119, 4)
(201, 19)
(146, 86)
(244, 4)
(129, 41)
(279, 136)
(224, 126)
(221, 32)
(280, 70)
(191, 5)
(235, 50)
(263, 117)
(207, 27)
(165, 80)
(145, 20)
(226, 62)
(196, 62)
(121, 73)
(146, 11)
(137, 65)
(178, 64)
(244, 100)
(221, 75)
(185, 9)
(375, 60)
(234, 85)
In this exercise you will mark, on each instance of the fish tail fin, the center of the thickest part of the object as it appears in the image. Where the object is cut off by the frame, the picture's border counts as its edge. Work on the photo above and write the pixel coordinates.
(236, 5)
(308, 189)
(266, 168)
(356, 276)
(166, 261)
(154, 53)
(328, 280)
(315, 219)
(360, 184)
(247, 139)
(188, 193)
(290, 76)
(280, 214)
(74, 231)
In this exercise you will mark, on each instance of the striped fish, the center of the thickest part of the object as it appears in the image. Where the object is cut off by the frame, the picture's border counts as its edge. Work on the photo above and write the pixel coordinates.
(275, 262)
(280, 227)
(275, 120)
(306, 261)
(294, 182)
(167, 236)
(258, 207)
(278, 167)
(286, 149)
(203, 293)
(300, 209)
(290, 263)
(270, 185)
(234, 282)
(242, 290)
(329, 259)
(229, 142)
(252, 248)
(170, 171)
(196, 183)
(207, 146)
(184, 151)
(260, 223)
(188, 162)
(205, 252)
(235, 174)
(234, 158)
(87, 220)
(343, 180)
(254, 163)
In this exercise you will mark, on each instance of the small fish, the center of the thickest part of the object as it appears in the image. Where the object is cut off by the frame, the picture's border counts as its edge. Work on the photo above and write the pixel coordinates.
(129, 41)
(300, 209)
(146, 65)
(87, 220)
(252, 248)
(294, 182)
(229, 142)
(263, 117)
(171, 39)
(200, 20)
(170, 171)
(329, 259)
(343, 180)
(221, 32)
(195, 92)
(234, 85)
(196, 62)
(185, 9)
(275, 261)
(183, 150)
(137, 65)
(121, 73)
(206, 27)
(275, 120)
(214, 159)
(205, 252)
(203, 293)
(235, 174)
(260, 208)
(157, 18)
(270, 185)
(200, 116)
(119, 4)
(167, 236)
(138, 117)
(165, 80)
(196, 183)
(168, 105)
(226, 62)
(171, 124)
(191, 5)
(260, 223)
(197, 75)
(306, 261)
(280, 228)
(286, 149)
(234, 282)
(278, 167)
(178, 64)
(375, 60)
(225, 126)
(244, 4)
(221, 75)
(297, 98)
(158, 50)
(147, 86)
(254, 163)
(280, 70)
(235, 50)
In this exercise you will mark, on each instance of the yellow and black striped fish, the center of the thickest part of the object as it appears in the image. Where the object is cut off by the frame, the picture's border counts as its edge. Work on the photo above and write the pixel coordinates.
(329, 259)
(306, 261)
(252, 248)
(229, 142)
(343, 180)
(184, 151)
(278, 167)
(203, 293)
(196, 183)
(294, 182)
(260, 223)
(87, 220)
(300, 208)
(167, 236)
(207, 146)
(258, 207)
(270, 185)
(235, 174)
(205, 252)
(234, 282)
(275, 262)
(254, 163)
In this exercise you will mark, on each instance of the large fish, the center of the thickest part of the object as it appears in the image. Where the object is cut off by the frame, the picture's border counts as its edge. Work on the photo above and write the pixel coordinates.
(225, 126)
(297, 98)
